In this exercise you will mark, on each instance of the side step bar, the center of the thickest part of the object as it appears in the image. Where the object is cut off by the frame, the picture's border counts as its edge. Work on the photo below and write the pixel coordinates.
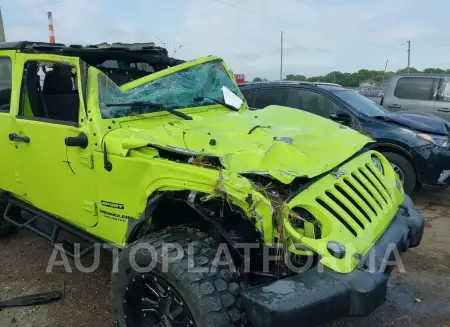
(48, 227)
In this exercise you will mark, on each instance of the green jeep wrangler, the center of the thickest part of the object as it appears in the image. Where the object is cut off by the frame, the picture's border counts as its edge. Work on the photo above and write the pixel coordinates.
(224, 216)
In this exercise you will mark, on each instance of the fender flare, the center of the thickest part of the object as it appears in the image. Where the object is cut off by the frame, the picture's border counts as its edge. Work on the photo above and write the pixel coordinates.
(135, 224)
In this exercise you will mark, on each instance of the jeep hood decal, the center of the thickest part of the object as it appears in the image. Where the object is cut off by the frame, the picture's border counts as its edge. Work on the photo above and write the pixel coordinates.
(277, 141)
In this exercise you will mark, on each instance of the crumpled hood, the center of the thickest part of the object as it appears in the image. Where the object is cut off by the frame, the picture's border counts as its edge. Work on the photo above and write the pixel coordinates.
(420, 122)
(278, 141)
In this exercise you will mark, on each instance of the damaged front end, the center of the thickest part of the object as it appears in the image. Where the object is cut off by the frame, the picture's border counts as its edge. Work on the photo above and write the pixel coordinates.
(305, 190)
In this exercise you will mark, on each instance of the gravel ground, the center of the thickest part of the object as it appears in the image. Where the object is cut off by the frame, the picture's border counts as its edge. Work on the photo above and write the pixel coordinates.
(419, 297)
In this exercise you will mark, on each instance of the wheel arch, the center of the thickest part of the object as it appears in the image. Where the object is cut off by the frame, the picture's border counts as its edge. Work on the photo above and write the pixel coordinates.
(152, 219)
(175, 208)
(398, 149)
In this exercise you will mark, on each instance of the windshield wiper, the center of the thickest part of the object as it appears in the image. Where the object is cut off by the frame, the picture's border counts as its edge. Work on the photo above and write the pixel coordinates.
(150, 105)
(226, 105)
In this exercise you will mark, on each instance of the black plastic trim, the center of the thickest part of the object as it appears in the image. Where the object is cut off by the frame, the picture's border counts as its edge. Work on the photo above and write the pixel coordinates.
(50, 121)
(52, 219)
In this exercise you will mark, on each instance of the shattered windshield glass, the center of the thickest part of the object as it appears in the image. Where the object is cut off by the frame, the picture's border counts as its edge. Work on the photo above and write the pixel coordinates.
(175, 91)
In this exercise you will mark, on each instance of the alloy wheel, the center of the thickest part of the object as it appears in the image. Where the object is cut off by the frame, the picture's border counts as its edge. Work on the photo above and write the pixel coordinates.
(399, 172)
(150, 301)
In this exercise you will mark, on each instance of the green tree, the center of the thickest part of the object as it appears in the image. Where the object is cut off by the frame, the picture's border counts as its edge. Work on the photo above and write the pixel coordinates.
(356, 78)
(257, 79)
(292, 77)
(411, 70)
(434, 71)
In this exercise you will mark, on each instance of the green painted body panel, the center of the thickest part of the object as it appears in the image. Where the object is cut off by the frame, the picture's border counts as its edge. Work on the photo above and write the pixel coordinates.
(288, 144)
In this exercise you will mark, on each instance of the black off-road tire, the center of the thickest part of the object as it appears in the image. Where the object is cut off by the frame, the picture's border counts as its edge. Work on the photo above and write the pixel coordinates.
(407, 169)
(212, 298)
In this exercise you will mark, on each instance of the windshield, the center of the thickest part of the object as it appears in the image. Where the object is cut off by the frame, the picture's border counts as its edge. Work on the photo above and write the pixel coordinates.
(361, 103)
(175, 91)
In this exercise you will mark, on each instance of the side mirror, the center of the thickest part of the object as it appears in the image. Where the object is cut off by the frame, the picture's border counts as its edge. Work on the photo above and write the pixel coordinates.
(341, 116)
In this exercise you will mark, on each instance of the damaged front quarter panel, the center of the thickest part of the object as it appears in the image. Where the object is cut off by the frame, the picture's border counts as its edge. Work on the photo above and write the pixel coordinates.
(216, 183)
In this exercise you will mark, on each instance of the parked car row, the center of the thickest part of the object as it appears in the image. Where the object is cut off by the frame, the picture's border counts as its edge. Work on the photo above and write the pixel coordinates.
(419, 93)
(417, 146)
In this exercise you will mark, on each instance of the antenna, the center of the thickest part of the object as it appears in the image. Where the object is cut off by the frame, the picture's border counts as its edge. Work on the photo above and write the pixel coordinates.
(176, 50)
(163, 43)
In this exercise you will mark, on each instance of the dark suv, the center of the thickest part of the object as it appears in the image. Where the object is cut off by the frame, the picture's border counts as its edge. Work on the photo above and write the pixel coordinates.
(417, 146)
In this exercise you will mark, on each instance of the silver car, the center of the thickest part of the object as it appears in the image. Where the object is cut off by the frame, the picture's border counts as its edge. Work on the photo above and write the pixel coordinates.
(418, 92)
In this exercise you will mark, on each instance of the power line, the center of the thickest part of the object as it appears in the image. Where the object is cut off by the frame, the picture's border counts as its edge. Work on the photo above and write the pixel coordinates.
(267, 16)
(36, 6)
(258, 13)
(285, 21)
(310, 6)
(321, 10)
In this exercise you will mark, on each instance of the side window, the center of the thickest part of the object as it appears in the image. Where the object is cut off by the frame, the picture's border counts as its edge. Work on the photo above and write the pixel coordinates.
(249, 96)
(50, 93)
(273, 96)
(414, 88)
(5, 83)
(444, 91)
(315, 103)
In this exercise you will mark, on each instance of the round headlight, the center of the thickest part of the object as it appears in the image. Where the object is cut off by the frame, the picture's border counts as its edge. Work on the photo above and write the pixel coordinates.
(378, 165)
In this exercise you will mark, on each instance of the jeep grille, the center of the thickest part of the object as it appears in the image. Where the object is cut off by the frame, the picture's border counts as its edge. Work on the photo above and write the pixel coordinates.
(357, 199)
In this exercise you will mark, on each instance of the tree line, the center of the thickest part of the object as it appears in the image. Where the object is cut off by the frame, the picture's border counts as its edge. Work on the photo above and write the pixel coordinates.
(355, 79)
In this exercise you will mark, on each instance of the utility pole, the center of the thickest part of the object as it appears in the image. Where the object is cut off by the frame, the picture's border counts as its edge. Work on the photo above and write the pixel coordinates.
(281, 62)
(384, 74)
(2, 28)
(409, 55)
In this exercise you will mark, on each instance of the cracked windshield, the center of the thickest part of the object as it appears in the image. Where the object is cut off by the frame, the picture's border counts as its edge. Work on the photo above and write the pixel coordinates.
(197, 86)
(245, 163)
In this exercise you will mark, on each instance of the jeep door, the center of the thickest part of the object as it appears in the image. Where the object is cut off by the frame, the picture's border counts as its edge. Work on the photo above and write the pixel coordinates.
(58, 178)
(10, 179)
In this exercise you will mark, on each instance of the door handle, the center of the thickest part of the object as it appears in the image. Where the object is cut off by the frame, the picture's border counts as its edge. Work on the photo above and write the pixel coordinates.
(444, 110)
(17, 138)
(395, 106)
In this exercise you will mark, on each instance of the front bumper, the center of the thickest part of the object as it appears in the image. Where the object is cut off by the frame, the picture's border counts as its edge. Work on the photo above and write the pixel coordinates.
(316, 297)
(433, 163)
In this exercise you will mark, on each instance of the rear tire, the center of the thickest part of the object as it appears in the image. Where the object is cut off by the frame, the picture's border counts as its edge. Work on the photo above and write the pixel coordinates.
(210, 299)
(404, 169)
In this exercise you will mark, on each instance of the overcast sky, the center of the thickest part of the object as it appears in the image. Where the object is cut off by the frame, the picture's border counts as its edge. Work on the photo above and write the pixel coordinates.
(321, 35)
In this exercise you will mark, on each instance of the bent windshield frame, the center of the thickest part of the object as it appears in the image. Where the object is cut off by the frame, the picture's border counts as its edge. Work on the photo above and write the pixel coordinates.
(173, 91)
(361, 103)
